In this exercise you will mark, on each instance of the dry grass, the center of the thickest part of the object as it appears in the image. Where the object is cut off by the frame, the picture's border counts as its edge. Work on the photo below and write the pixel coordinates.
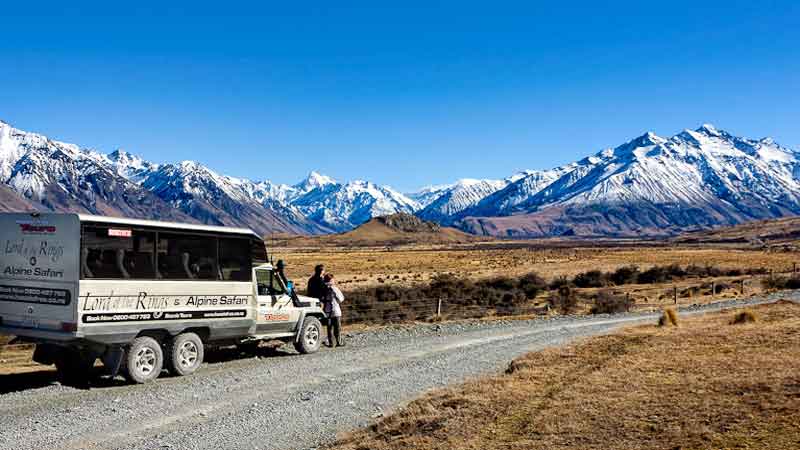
(669, 318)
(362, 267)
(620, 392)
(744, 316)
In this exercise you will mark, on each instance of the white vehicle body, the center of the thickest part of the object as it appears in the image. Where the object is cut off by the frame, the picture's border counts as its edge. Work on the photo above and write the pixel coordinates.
(95, 284)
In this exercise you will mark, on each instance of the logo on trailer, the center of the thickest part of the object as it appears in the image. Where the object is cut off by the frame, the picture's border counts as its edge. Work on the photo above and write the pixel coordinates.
(117, 232)
(32, 228)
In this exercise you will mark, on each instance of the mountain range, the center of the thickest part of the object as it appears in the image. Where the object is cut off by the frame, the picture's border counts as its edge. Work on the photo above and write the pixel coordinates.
(648, 186)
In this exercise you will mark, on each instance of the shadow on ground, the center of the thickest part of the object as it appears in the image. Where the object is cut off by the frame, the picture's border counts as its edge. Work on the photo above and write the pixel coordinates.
(47, 376)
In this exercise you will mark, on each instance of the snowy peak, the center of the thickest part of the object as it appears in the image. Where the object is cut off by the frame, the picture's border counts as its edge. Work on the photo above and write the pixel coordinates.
(130, 166)
(314, 180)
(454, 198)
(345, 206)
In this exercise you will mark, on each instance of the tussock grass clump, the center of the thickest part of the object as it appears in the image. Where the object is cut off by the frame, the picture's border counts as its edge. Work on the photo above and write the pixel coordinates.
(746, 316)
(669, 318)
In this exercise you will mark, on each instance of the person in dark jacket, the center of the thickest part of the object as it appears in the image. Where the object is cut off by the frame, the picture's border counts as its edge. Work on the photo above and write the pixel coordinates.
(316, 284)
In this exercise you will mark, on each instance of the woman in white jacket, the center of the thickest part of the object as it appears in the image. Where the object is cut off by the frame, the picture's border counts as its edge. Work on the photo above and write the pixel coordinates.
(333, 309)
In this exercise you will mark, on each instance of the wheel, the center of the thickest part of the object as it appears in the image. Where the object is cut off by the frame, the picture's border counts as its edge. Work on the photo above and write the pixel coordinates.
(310, 334)
(184, 354)
(74, 367)
(144, 360)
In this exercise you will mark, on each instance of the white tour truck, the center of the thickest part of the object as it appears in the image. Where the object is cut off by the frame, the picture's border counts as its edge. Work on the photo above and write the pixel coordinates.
(142, 295)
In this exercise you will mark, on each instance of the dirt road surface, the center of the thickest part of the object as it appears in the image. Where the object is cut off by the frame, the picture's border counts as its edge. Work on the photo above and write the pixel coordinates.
(282, 400)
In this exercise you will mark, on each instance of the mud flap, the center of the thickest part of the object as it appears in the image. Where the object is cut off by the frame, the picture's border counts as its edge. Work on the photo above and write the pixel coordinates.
(112, 359)
(46, 354)
(299, 327)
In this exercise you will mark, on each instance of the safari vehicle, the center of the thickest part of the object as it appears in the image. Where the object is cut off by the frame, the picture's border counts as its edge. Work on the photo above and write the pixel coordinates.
(142, 295)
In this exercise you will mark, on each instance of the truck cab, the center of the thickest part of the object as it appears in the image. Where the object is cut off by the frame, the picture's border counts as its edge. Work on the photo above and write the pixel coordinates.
(283, 314)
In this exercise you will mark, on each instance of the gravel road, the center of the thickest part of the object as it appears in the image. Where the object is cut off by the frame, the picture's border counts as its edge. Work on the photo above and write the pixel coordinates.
(282, 400)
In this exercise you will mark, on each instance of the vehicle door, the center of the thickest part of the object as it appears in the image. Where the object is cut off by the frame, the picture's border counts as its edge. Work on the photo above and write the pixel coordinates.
(275, 308)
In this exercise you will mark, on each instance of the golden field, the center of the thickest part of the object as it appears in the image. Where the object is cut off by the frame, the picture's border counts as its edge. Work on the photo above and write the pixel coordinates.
(356, 267)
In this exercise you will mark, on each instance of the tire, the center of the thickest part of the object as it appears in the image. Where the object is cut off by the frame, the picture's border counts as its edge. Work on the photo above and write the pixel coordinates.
(74, 367)
(143, 360)
(310, 336)
(185, 354)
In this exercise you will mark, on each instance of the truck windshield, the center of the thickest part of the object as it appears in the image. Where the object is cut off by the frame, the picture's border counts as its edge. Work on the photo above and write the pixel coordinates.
(268, 283)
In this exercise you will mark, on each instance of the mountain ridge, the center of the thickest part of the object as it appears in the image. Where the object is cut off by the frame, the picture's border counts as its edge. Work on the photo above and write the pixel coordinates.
(649, 185)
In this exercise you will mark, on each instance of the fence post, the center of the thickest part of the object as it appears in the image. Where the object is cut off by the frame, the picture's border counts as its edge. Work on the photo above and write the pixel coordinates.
(741, 287)
(439, 308)
(675, 294)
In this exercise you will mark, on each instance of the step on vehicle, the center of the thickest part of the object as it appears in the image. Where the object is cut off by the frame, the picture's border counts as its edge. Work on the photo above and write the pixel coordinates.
(142, 296)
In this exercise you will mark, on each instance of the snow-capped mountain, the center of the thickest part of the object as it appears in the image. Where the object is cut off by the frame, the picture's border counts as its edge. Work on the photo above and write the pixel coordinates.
(343, 206)
(312, 182)
(439, 203)
(218, 199)
(650, 185)
(53, 175)
(63, 177)
(130, 166)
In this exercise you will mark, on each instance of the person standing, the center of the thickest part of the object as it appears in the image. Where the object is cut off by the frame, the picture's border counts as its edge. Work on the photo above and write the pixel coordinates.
(333, 309)
(316, 284)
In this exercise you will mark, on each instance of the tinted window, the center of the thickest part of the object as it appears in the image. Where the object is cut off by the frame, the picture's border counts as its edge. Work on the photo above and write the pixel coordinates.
(234, 259)
(187, 257)
(117, 252)
(258, 251)
(268, 283)
(140, 262)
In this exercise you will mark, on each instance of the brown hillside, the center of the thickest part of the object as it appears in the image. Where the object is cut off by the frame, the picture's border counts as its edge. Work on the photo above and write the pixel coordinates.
(10, 201)
(396, 229)
(758, 233)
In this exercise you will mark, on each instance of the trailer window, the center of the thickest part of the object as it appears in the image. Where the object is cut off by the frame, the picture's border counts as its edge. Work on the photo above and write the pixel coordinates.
(234, 259)
(187, 257)
(116, 253)
(258, 251)
(140, 260)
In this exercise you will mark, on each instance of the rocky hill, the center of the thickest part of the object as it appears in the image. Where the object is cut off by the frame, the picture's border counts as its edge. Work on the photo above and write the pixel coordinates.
(392, 230)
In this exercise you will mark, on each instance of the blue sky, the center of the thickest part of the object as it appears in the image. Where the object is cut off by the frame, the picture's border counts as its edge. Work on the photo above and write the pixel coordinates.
(407, 95)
